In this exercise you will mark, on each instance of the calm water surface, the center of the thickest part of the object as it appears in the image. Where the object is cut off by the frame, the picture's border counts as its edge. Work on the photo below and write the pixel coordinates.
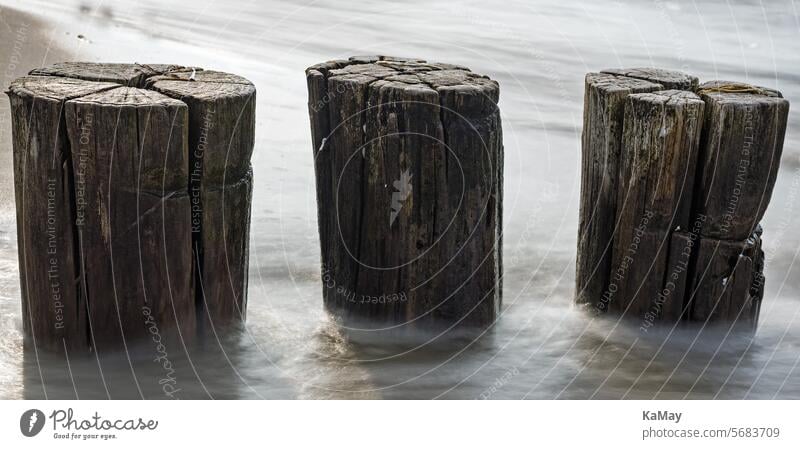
(541, 347)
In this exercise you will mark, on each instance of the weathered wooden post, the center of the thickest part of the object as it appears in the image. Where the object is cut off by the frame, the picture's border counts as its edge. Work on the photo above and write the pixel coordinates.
(53, 311)
(740, 153)
(661, 133)
(222, 111)
(130, 172)
(743, 142)
(409, 162)
(106, 219)
(131, 75)
(679, 230)
(603, 114)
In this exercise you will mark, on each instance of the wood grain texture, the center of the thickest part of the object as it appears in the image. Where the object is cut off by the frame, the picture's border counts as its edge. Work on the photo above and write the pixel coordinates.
(408, 156)
(670, 305)
(132, 75)
(740, 153)
(225, 256)
(696, 166)
(601, 140)
(726, 282)
(106, 171)
(221, 141)
(670, 79)
(53, 313)
(130, 160)
(661, 133)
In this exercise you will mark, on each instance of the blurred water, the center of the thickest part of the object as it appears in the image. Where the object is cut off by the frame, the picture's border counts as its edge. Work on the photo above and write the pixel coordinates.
(541, 347)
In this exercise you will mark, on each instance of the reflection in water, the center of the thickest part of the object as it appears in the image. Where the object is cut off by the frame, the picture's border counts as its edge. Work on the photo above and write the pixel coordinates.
(542, 347)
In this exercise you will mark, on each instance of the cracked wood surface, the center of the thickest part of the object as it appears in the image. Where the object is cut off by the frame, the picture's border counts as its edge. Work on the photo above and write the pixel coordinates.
(111, 168)
(130, 166)
(696, 257)
(727, 285)
(601, 141)
(740, 153)
(661, 133)
(53, 313)
(425, 252)
(132, 75)
(221, 140)
(670, 79)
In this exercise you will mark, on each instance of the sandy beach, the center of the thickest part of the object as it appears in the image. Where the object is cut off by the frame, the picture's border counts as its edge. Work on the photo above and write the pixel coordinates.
(28, 43)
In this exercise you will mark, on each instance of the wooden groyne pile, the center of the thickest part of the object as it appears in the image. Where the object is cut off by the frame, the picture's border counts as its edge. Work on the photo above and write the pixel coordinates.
(409, 168)
(133, 186)
(676, 177)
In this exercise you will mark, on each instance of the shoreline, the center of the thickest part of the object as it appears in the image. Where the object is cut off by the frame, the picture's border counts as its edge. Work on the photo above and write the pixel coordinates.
(27, 46)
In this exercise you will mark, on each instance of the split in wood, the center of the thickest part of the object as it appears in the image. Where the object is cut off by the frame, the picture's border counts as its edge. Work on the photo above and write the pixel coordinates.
(674, 185)
(133, 187)
(409, 159)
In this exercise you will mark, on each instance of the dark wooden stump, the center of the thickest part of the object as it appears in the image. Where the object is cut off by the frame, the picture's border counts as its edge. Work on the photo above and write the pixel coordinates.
(103, 170)
(738, 163)
(130, 172)
(739, 156)
(409, 159)
(221, 138)
(661, 133)
(695, 178)
(53, 312)
(603, 115)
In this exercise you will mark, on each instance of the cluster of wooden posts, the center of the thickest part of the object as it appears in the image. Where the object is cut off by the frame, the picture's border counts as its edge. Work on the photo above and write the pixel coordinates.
(676, 177)
(133, 187)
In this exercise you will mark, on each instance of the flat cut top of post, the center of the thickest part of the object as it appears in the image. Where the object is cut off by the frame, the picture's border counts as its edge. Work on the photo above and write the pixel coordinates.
(325, 67)
(740, 93)
(160, 85)
(55, 87)
(203, 85)
(668, 97)
(129, 96)
(608, 83)
(375, 58)
(670, 79)
(201, 76)
(68, 80)
(127, 74)
(408, 74)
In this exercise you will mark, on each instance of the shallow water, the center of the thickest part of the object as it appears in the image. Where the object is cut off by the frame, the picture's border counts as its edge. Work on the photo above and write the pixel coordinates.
(541, 347)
